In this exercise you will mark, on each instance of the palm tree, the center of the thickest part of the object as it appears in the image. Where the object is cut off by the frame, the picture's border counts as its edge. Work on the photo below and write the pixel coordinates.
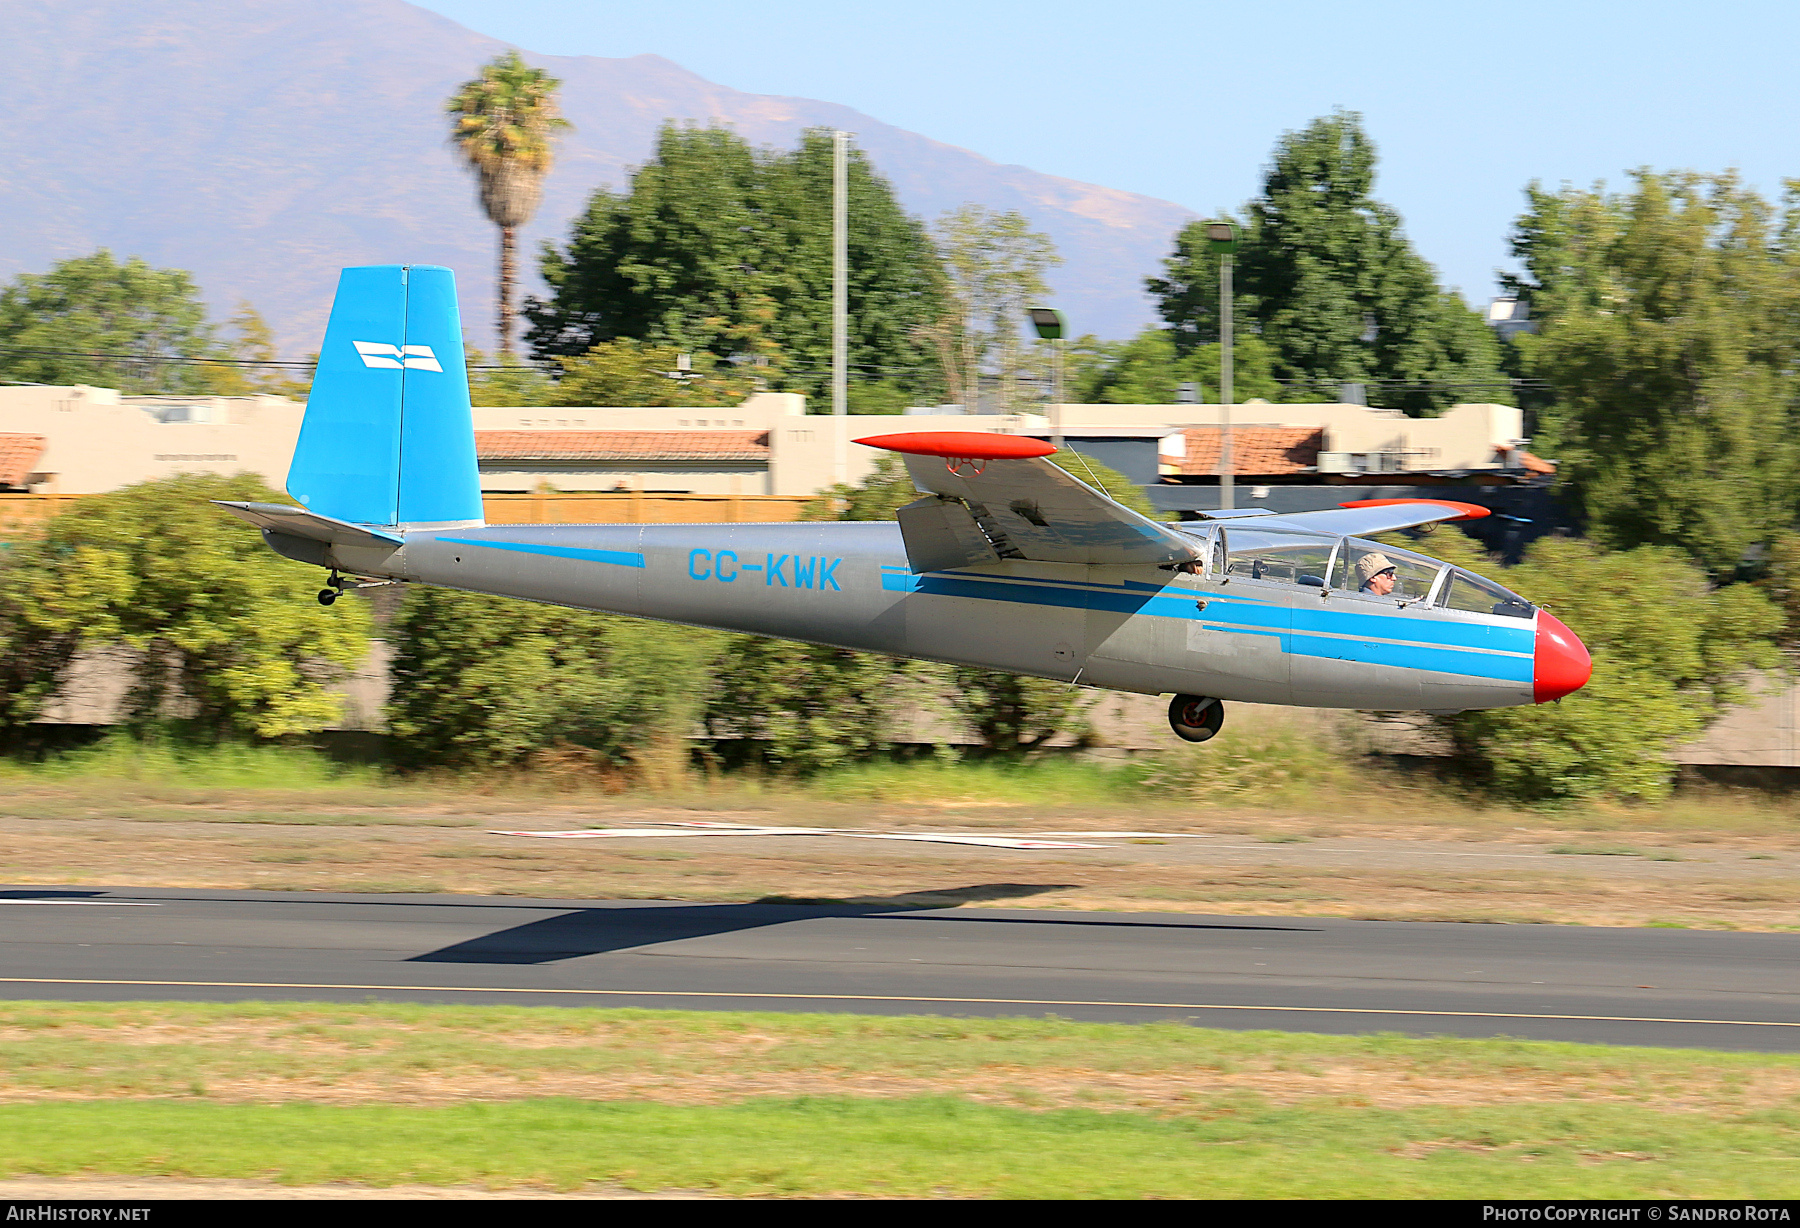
(503, 122)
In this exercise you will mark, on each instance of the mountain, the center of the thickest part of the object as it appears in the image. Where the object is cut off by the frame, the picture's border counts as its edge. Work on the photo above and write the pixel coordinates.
(262, 144)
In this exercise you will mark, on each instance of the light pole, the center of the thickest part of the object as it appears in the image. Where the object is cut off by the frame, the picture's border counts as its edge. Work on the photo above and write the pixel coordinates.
(1222, 238)
(1049, 326)
(840, 302)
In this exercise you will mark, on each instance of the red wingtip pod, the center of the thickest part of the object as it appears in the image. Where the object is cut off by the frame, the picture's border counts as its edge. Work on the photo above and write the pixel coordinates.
(976, 445)
(1470, 511)
(1563, 665)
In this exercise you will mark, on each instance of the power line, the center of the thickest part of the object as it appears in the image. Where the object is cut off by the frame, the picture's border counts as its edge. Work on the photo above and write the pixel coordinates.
(550, 367)
(29, 351)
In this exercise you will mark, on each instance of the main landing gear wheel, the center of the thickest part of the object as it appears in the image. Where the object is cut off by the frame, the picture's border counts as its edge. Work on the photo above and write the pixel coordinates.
(327, 596)
(1195, 718)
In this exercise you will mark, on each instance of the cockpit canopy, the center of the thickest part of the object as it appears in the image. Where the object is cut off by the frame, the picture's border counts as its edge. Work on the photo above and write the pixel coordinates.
(1355, 567)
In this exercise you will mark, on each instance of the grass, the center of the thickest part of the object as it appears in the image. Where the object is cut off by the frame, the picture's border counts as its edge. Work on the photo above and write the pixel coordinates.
(766, 1104)
(1058, 782)
(229, 766)
(930, 1147)
(1219, 786)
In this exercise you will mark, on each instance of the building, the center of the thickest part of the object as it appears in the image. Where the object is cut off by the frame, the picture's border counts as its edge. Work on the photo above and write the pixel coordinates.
(84, 440)
(79, 440)
(1301, 458)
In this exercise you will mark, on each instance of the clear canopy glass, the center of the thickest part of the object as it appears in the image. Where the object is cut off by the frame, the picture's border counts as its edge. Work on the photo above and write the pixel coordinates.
(1355, 567)
(1369, 569)
(1479, 596)
(1276, 557)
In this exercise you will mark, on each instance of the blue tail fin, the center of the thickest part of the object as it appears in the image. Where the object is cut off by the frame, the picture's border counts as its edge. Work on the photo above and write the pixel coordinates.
(388, 438)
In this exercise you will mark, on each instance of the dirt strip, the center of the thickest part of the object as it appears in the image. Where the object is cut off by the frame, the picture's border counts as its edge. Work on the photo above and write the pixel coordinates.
(1736, 866)
(1704, 881)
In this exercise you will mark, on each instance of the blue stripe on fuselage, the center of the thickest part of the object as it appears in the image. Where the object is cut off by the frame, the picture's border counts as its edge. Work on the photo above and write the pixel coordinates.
(1413, 642)
(619, 558)
(1412, 656)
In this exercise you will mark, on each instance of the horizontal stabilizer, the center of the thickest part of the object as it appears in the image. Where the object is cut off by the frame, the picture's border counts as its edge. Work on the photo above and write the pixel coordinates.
(1019, 504)
(298, 522)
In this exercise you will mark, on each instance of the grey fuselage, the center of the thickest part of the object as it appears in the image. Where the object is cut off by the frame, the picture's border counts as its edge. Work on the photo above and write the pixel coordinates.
(1128, 628)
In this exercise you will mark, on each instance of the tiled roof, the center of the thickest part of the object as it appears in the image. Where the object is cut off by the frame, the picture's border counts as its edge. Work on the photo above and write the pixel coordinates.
(565, 446)
(1255, 450)
(18, 457)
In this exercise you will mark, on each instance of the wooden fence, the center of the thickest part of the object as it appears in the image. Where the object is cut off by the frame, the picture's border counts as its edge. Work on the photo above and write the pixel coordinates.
(609, 507)
(635, 507)
(22, 511)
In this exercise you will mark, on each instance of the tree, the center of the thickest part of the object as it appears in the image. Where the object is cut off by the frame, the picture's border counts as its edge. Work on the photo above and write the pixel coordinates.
(675, 260)
(252, 344)
(51, 603)
(996, 265)
(1013, 714)
(1148, 369)
(716, 247)
(508, 381)
(1326, 278)
(490, 682)
(879, 396)
(896, 284)
(803, 708)
(503, 123)
(1781, 584)
(88, 318)
(223, 634)
(629, 372)
(1669, 652)
(1668, 335)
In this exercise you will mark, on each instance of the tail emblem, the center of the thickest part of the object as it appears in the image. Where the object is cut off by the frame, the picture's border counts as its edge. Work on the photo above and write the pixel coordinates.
(396, 357)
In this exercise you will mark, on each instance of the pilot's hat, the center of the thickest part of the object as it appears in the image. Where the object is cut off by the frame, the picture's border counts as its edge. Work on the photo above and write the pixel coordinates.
(1371, 565)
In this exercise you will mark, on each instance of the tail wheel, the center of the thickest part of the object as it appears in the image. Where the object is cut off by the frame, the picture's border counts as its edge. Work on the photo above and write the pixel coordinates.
(1195, 718)
(327, 596)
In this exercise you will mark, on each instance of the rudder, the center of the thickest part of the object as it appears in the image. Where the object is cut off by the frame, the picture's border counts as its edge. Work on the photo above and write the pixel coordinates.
(388, 438)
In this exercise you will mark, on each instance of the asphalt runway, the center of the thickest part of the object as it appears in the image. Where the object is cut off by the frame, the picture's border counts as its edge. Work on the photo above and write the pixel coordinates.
(1617, 986)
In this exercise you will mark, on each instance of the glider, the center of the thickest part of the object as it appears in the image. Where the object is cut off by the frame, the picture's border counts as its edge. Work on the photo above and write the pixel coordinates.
(1006, 561)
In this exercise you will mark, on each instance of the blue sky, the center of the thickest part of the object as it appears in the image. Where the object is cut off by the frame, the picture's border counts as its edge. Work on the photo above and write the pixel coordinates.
(1467, 102)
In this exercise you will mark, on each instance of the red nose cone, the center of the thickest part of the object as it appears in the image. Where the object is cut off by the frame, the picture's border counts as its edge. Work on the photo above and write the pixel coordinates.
(1563, 665)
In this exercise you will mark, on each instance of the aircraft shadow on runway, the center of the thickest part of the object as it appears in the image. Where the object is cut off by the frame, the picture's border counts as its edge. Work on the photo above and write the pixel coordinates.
(44, 893)
(595, 931)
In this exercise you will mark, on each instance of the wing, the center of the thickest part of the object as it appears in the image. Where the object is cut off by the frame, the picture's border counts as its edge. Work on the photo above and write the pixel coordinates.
(1361, 517)
(991, 497)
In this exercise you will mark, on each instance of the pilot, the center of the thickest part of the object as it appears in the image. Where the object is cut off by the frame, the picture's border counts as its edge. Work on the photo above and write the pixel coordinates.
(1376, 574)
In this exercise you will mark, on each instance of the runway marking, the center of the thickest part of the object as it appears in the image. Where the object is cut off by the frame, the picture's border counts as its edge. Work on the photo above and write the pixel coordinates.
(849, 997)
(1267, 848)
(740, 829)
(697, 828)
